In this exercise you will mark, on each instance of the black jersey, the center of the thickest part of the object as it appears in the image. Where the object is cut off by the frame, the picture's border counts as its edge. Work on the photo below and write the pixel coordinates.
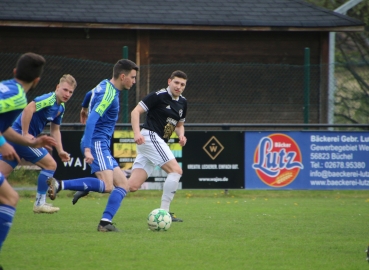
(163, 112)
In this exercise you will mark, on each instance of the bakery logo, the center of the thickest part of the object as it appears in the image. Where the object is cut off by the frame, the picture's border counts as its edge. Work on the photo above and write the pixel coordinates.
(277, 160)
(213, 148)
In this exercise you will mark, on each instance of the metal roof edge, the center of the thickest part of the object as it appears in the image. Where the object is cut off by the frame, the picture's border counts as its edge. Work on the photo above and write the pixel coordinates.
(42, 24)
(332, 12)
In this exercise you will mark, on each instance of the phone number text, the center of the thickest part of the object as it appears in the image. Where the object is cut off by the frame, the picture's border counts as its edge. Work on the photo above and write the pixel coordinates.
(344, 165)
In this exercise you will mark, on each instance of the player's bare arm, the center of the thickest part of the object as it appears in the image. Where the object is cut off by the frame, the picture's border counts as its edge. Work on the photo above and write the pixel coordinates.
(55, 133)
(179, 130)
(135, 122)
(88, 156)
(27, 117)
(8, 152)
(29, 140)
(42, 141)
(83, 115)
(84, 110)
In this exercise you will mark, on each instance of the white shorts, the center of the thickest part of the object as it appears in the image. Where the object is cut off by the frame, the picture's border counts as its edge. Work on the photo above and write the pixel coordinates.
(154, 152)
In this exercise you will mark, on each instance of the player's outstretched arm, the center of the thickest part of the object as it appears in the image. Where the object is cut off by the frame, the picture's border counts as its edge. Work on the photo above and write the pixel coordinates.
(88, 156)
(43, 141)
(135, 122)
(83, 115)
(179, 130)
(27, 115)
(84, 111)
(55, 133)
(7, 151)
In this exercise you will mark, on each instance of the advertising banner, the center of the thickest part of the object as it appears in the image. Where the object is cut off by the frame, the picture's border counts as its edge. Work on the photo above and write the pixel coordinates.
(213, 160)
(76, 167)
(307, 160)
(123, 149)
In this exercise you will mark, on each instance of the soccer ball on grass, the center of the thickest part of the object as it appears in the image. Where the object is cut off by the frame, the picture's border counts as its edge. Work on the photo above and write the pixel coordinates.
(159, 220)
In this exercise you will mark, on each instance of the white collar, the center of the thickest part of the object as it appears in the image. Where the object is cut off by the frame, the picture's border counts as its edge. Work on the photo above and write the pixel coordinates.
(170, 93)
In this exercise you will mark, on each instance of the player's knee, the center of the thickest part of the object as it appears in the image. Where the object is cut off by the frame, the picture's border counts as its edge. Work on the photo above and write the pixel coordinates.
(178, 170)
(123, 185)
(14, 199)
(51, 166)
(11, 198)
(133, 188)
(136, 179)
(108, 188)
(173, 168)
(133, 185)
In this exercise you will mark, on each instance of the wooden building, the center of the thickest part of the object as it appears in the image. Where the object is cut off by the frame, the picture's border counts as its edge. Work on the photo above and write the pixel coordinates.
(194, 32)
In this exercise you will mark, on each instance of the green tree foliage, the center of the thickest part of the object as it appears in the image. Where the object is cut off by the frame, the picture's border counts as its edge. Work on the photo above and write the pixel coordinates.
(352, 66)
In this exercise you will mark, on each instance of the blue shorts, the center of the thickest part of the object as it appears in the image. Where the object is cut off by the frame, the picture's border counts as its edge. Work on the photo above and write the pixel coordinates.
(103, 159)
(27, 153)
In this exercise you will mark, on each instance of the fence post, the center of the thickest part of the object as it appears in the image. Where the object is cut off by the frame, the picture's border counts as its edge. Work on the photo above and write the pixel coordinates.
(306, 85)
(125, 92)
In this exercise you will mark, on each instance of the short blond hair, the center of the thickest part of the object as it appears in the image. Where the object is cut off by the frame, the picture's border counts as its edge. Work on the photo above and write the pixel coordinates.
(68, 79)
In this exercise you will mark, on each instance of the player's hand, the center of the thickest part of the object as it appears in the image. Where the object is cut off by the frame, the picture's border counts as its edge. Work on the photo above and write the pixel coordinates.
(83, 115)
(64, 156)
(182, 140)
(43, 141)
(139, 139)
(28, 136)
(88, 156)
(8, 152)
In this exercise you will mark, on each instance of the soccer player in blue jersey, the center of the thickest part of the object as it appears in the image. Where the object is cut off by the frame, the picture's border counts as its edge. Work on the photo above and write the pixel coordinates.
(166, 112)
(13, 100)
(103, 114)
(44, 109)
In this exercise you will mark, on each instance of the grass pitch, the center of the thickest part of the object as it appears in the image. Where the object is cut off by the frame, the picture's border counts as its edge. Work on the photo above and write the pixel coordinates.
(238, 230)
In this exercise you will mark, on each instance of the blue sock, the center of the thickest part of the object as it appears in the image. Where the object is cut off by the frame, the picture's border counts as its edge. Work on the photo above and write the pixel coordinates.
(87, 183)
(115, 199)
(7, 213)
(41, 181)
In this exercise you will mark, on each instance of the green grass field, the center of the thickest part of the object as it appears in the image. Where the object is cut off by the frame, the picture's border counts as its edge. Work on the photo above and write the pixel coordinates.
(238, 230)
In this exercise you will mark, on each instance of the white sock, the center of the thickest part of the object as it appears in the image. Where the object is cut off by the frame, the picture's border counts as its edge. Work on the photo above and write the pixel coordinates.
(40, 199)
(169, 190)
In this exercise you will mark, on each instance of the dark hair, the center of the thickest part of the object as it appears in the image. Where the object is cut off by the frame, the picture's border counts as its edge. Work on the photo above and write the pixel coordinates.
(123, 66)
(29, 67)
(179, 74)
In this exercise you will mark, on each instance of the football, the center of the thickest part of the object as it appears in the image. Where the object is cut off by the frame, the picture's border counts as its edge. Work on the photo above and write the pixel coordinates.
(159, 220)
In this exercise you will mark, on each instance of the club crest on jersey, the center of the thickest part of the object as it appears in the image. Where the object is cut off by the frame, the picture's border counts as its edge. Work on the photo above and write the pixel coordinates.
(180, 112)
(277, 160)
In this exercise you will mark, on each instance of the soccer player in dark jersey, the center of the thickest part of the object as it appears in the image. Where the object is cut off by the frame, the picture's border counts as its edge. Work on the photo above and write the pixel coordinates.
(44, 109)
(166, 112)
(13, 100)
(102, 116)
